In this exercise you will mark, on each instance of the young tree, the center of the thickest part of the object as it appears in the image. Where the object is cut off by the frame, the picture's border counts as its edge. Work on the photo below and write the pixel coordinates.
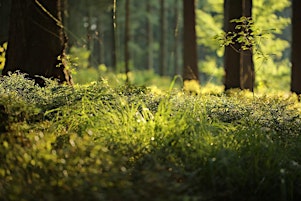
(190, 70)
(296, 48)
(238, 63)
(36, 44)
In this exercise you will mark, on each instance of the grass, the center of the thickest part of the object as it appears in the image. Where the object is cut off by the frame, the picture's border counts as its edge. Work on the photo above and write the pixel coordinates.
(98, 142)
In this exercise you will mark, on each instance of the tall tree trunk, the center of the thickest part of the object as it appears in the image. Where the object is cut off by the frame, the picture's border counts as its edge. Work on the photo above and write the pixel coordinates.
(247, 74)
(190, 71)
(127, 38)
(176, 37)
(239, 66)
(149, 28)
(163, 45)
(296, 48)
(37, 42)
(4, 20)
(114, 35)
(232, 10)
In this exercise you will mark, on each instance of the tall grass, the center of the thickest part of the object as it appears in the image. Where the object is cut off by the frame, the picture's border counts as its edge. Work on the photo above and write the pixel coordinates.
(97, 142)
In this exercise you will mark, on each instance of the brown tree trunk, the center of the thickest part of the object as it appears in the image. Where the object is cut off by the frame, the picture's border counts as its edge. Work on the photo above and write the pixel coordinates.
(296, 47)
(232, 10)
(247, 74)
(190, 71)
(150, 55)
(4, 19)
(176, 37)
(37, 41)
(163, 39)
(114, 36)
(127, 38)
(239, 66)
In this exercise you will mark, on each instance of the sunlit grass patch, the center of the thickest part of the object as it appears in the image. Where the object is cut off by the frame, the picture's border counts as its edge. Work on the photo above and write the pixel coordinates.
(88, 142)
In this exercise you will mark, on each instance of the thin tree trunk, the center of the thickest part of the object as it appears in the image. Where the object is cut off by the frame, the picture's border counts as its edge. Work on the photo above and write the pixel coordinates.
(114, 35)
(37, 41)
(176, 37)
(190, 71)
(150, 39)
(163, 30)
(127, 39)
(296, 47)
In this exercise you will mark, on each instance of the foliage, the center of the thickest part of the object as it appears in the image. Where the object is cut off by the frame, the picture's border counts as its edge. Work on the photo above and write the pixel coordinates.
(97, 142)
(269, 36)
(2, 55)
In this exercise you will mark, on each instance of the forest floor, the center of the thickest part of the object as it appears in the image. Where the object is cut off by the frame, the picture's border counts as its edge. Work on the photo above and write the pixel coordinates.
(98, 142)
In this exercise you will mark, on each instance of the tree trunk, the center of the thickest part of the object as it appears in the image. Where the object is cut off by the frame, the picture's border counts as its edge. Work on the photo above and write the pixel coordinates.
(127, 39)
(239, 66)
(114, 36)
(247, 74)
(4, 19)
(37, 42)
(296, 47)
(149, 28)
(176, 69)
(190, 71)
(163, 46)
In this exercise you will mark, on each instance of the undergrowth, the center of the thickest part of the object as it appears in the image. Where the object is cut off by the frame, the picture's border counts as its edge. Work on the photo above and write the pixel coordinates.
(97, 142)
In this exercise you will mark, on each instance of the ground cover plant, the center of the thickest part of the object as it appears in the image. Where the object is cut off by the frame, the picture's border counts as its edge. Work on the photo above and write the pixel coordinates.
(98, 142)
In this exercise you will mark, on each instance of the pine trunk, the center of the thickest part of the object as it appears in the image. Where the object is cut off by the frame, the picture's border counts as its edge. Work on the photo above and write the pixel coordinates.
(190, 71)
(37, 42)
(296, 48)
(238, 63)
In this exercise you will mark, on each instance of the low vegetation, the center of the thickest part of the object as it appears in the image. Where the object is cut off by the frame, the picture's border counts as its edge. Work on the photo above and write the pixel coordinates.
(98, 142)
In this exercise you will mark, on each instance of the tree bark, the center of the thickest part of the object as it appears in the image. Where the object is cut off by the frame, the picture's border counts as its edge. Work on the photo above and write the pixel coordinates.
(127, 39)
(190, 70)
(238, 63)
(247, 74)
(114, 36)
(4, 19)
(150, 40)
(296, 47)
(163, 45)
(37, 42)
(176, 46)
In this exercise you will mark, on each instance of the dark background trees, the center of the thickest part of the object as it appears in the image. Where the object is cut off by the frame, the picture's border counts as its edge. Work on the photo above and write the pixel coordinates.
(98, 44)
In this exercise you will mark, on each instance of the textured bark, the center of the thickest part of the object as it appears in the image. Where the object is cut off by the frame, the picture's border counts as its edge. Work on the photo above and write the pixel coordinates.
(37, 42)
(296, 48)
(238, 63)
(190, 70)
